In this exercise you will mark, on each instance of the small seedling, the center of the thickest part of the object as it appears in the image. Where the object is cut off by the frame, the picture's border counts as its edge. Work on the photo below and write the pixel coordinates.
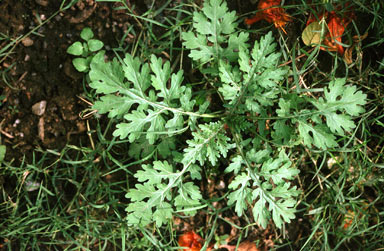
(84, 49)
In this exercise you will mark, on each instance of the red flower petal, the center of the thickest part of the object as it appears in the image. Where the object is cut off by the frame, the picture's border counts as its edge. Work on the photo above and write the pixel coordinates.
(191, 240)
(336, 27)
(271, 12)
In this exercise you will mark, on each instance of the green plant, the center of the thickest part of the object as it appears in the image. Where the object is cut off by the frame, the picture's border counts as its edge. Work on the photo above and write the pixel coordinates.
(84, 49)
(250, 125)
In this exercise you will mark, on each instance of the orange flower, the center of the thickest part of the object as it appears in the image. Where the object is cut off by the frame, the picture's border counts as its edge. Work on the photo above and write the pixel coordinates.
(191, 240)
(336, 27)
(271, 13)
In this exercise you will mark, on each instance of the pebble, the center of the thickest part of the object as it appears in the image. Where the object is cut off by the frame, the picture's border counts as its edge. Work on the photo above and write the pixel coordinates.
(42, 2)
(39, 108)
(40, 129)
(27, 42)
(17, 121)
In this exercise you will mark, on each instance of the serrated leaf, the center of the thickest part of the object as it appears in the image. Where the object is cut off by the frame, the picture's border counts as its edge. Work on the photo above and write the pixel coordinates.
(340, 99)
(282, 133)
(263, 52)
(155, 174)
(187, 103)
(148, 174)
(260, 77)
(270, 77)
(231, 78)
(321, 136)
(152, 195)
(260, 156)
(212, 26)
(126, 83)
(208, 143)
(215, 20)
(162, 214)
(136, 126)
(141, 192)
(244, 60)
(284, 191)
(175, 123)
(198, 52)
(137, 73)
(339, 122)
(162, 74)
(160, 80)
(106, 77)
(241, 194)
(235, 165)
(279, 171)
(176, 89)
(189, 196)
(138, 122)
(285, 106)
(115, 106)
(260, 211)
(283, 211)
(195, 172)
(163, 167)
(139, 213)
(236, 42)
(274, 196)
(252, 105)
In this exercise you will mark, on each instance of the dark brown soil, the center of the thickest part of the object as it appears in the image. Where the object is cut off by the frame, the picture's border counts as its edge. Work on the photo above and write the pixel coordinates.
(39, 69)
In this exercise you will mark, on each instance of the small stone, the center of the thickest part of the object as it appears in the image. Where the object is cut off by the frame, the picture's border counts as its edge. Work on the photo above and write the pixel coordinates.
(27, 42)
(39, 108)
(42, 2)
(40, 129)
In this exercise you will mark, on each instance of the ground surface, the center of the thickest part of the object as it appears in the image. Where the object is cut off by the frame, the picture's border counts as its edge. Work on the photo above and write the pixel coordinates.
(41, 70)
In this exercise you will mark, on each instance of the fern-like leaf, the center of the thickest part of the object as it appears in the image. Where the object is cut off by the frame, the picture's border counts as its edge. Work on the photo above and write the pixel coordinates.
(340, 103)
(214, 27)
(208, 143)
(270, 201)
(151, 199)
(127, 84)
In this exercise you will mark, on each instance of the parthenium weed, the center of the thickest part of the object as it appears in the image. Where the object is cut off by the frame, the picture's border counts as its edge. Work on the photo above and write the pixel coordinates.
(155, 108)
(261, 129)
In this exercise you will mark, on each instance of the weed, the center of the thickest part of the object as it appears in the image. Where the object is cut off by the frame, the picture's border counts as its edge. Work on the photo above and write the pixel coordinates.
(247, 113)
(158, 109)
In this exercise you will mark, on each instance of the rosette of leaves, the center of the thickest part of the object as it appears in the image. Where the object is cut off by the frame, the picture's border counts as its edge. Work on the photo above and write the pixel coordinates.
(258, 123)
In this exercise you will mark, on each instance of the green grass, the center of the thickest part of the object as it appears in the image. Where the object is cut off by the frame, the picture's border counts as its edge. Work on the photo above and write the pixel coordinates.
(80, 202)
